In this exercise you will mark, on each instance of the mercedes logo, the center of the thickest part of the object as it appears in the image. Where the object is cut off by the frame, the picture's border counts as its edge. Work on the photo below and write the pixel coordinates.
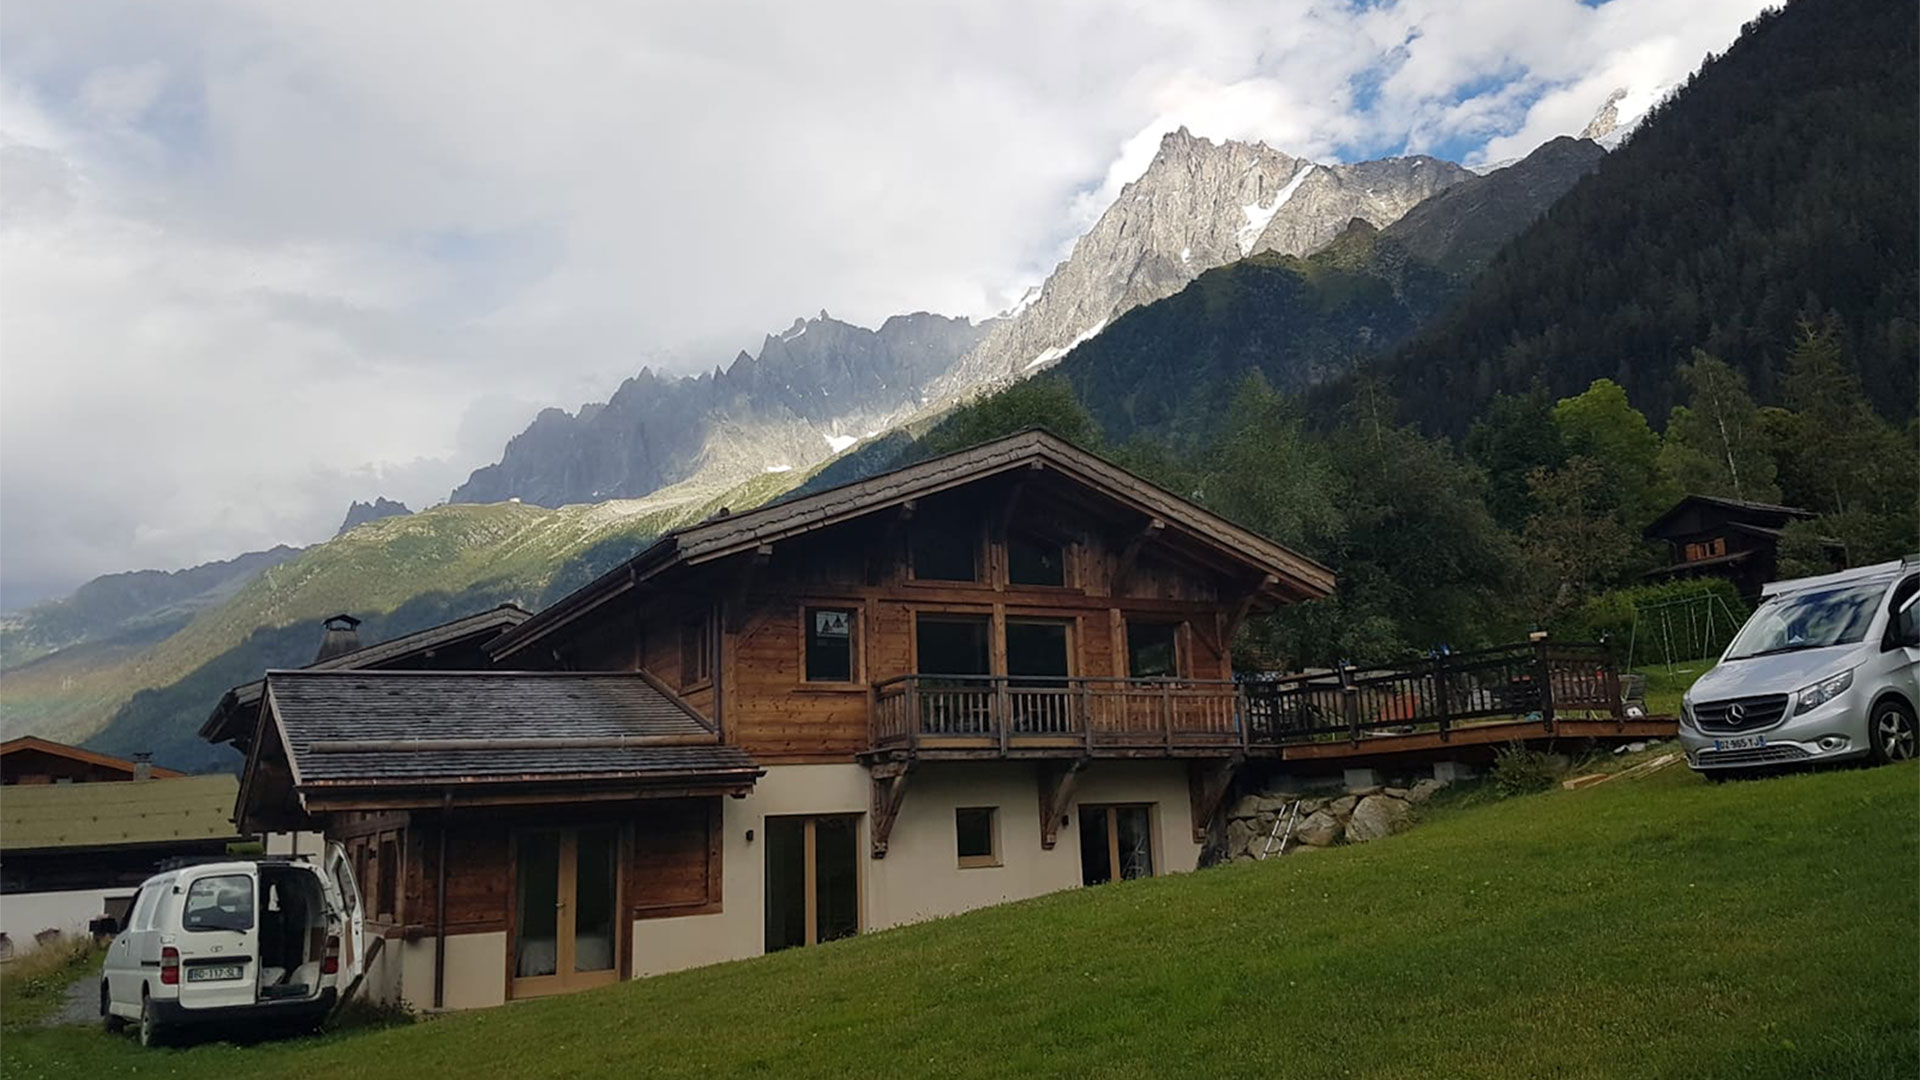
(1737, 712)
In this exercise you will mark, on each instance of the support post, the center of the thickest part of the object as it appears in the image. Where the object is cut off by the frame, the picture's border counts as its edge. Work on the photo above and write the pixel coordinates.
(1543, 675)
(1056, 793)
(1207, 785)
(1350, 700)
(1440, 695)
(1003, 711)
(889, 788)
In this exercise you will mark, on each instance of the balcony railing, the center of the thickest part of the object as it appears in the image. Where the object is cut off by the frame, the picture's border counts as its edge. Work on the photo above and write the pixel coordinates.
(1003, 713)
(1531, 681)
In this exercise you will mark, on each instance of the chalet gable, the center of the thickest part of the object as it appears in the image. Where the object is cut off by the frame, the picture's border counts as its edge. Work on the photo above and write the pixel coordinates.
(1146, 522)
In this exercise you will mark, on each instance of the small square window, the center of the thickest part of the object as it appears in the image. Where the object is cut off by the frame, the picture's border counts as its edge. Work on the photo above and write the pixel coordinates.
(1034, 561)
(976, 831)
(830, 644)
(1153, 650)
(946, 551)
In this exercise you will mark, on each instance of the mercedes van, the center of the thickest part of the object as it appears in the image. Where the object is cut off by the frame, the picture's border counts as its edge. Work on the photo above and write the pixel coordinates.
(1825, 670)
(235, 946)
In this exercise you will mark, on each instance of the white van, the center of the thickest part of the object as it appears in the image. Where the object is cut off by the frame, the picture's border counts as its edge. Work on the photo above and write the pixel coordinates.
(236, 944)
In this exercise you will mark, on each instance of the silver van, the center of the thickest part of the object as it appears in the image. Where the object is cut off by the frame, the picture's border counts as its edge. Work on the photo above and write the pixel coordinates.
(1827, 669)
(235, 945)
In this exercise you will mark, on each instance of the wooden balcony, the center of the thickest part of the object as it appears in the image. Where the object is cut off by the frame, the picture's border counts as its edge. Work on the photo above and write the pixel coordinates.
(1528, 690)
(998, 716)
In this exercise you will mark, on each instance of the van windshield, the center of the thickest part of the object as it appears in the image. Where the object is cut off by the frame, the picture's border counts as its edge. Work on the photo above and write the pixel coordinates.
(219, 903)
(1814, 619)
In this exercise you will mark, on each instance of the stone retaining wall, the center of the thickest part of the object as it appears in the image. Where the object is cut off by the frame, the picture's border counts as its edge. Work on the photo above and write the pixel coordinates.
(1327, 816)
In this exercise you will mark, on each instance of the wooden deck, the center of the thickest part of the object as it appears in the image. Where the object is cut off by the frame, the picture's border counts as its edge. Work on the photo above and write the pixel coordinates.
(1513, 693)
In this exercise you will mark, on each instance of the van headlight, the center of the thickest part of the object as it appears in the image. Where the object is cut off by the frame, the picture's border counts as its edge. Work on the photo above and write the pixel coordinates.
(1686, 714)
(1824, 691)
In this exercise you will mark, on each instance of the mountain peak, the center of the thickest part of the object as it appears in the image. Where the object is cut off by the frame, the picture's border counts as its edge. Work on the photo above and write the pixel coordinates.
(362, 512)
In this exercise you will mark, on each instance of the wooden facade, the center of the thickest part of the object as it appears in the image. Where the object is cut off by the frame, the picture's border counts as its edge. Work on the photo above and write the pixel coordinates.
(1022, 600)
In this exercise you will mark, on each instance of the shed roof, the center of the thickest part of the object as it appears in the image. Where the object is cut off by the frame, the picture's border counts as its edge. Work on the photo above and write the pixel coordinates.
(404, 728)
(149, 812)
(1288, 575)
(75, 753)
(1756, 512)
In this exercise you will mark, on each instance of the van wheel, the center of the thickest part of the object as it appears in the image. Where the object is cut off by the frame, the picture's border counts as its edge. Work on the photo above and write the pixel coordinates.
(114, 1024)
(1891, 730)
(151, 1033)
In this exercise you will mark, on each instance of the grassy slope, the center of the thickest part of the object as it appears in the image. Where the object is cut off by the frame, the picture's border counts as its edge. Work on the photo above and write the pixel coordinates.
(374, 568)
(1659, 927)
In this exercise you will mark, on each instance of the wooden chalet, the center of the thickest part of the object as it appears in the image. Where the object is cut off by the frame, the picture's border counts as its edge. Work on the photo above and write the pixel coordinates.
(977, 678)
(30, 759)
(1710, 536)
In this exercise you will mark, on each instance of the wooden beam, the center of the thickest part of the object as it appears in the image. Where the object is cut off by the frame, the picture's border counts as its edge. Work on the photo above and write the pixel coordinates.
(1130, 554)
(1240, 610)
(751, 568)
(1014, 491)
(881, 554)
(889, 788)
(1056, 794)
(1207, 785)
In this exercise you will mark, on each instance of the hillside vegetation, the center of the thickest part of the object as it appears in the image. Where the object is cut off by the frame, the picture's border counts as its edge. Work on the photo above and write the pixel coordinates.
(1643, 928)
(400, 574)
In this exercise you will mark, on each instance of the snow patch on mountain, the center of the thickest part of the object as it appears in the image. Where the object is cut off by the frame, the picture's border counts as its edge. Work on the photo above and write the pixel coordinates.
(1259, 216)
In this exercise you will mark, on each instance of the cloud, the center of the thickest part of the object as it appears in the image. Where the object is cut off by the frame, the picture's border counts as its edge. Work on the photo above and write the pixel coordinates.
(262, 259)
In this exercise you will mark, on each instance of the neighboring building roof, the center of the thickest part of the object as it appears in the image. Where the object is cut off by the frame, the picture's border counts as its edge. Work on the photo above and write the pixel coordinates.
(85, 757)
(183, 810)
(1766, 511)
(232, 719)
(1292, 576)
(404, 728)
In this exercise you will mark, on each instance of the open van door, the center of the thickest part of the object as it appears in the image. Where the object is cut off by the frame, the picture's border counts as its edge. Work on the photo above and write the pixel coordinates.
(353, 949)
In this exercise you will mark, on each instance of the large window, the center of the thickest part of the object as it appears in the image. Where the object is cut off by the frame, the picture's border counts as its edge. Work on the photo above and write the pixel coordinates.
(1153, 650)
(696, 652)
(830, 644)
(976, 835)
(946, 551)
(1033, 560)
(953, 644)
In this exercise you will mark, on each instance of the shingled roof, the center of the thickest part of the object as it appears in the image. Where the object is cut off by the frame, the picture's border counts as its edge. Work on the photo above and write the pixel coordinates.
(391, 729)
(1284, 575)
(232, 720)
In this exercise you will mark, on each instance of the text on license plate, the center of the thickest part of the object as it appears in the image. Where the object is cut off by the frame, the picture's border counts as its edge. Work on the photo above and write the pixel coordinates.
(213, 972)
(1744, 742)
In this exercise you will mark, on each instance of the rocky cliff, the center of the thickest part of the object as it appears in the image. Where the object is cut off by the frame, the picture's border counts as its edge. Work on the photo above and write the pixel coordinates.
(811, 391)
(1200, 204)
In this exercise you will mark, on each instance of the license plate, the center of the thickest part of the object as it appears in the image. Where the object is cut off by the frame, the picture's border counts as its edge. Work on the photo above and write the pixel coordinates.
(213, 972)
(1744, 742)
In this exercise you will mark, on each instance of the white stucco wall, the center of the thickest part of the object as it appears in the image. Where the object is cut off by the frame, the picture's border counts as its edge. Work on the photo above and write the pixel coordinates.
(476, 974)
(22, 915)
(921, 877)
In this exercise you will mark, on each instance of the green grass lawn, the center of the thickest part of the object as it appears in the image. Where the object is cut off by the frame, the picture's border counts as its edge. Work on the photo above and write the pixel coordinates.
(1653, 927)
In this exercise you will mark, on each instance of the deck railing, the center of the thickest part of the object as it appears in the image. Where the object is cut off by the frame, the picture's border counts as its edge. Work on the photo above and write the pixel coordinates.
(1535, 680)
(1002, 712)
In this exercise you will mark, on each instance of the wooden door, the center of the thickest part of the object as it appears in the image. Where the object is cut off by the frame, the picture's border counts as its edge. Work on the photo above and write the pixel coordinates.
(566, 910)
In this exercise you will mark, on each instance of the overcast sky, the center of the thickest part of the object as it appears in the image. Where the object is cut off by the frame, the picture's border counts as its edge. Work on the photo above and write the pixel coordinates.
(260, 259)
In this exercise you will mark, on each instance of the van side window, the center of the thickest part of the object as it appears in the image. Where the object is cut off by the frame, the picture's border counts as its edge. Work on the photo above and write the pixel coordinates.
(222, 902)
(142, 917)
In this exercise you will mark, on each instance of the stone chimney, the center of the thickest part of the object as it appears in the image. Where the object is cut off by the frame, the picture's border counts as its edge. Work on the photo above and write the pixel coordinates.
(143, 766)
(343, 636)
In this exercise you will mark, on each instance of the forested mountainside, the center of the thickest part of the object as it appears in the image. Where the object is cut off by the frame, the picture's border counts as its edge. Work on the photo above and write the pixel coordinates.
(129, 609)
(811, 391)
(399, 574)
(1781, 183)
(1166, 371)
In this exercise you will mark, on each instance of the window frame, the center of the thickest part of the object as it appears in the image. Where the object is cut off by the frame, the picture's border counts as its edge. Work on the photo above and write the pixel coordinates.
(856, 674)
(1029, 536)
(696, 644)
(1116, 858)
(978, 862)
(1179, 628)
(975, 532)
(253, 904)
